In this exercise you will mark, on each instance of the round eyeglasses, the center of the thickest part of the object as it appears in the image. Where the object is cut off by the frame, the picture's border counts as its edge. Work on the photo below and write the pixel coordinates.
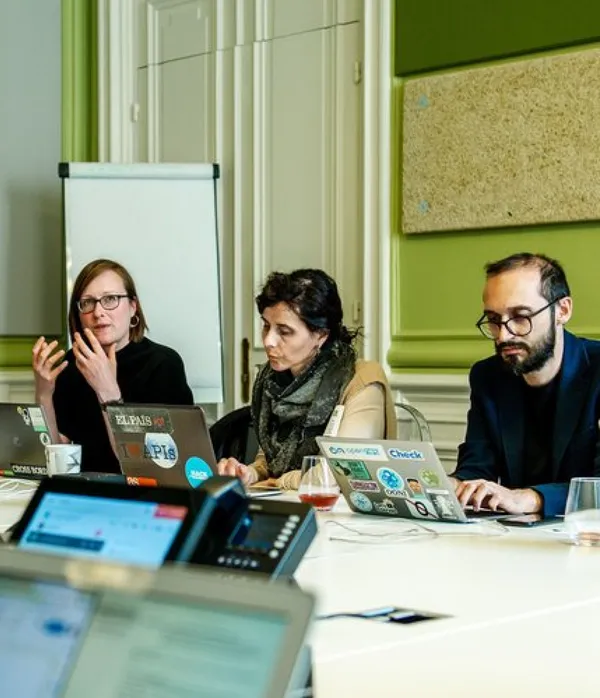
(518, 325)
(110, 301)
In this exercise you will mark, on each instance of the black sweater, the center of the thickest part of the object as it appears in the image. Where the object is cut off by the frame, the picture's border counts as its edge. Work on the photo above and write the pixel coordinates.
(146, 373)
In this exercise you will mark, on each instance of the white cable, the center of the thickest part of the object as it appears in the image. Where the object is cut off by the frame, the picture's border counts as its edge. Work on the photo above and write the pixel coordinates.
(406, 530)
(16, 489)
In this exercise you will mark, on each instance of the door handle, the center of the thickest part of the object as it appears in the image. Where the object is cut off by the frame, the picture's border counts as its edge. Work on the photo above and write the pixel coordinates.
(245, 370)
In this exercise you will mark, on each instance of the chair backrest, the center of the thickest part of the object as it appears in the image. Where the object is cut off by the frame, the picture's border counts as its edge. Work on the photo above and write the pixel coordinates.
(234, 437)
(412, 421)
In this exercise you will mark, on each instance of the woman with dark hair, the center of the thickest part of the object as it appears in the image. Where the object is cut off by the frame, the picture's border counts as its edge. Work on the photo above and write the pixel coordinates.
(311, 370)
(111, 362)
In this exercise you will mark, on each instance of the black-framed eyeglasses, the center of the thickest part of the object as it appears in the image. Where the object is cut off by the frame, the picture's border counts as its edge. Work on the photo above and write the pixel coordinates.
(518, 325)
(109, 302)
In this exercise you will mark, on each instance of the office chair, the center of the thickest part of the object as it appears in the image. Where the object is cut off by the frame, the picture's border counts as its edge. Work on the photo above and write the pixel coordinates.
(233, 436)
(412, 425)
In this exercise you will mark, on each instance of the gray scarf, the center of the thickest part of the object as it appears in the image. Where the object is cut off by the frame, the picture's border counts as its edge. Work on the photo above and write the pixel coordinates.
(289, 412)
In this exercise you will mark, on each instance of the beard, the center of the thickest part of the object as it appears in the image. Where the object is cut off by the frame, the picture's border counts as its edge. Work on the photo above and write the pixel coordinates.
(536, 355)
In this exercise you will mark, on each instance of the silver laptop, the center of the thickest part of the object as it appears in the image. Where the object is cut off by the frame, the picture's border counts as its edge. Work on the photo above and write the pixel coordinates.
(162, 444)
(24, 434)
(395, 478)
(73, 628)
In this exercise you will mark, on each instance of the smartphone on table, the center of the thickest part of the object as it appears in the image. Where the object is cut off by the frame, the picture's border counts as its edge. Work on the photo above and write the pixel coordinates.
(528, 520)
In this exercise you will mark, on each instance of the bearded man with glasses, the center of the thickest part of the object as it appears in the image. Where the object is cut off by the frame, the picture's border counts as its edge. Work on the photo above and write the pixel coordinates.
(535, 405)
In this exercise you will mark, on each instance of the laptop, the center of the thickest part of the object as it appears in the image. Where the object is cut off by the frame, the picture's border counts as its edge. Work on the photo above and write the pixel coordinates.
(24, 434)
(73, 628)
(395, 478)
(106, 521)
(162, 444)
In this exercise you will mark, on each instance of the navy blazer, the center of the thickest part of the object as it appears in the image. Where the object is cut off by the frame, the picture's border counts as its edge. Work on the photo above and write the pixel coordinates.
(493, 446)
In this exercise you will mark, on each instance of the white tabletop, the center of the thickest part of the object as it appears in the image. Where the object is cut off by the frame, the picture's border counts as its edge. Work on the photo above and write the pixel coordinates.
(14, 497)
(523, 604)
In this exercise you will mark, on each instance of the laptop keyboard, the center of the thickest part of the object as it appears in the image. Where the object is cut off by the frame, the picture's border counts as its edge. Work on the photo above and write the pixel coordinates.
(484, 513)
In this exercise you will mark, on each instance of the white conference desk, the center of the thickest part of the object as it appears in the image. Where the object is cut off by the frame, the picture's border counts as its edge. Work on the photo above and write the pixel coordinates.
(524, 610)
(524, 607)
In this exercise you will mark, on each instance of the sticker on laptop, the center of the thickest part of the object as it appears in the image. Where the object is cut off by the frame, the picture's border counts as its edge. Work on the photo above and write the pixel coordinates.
(131, 450)
(363, 485)
(397, 493)
(45, 439)
(364, 451)
(415, 488)
(361, 501)
(386, 507)
(24, 413)
(354, 469)
(401, 454)
(421, 509)
(390, 479)
(161, 449)
(444, 506)
(429, 477)
(138, 420)
(32, 470)
(197, 471)
(33, 417)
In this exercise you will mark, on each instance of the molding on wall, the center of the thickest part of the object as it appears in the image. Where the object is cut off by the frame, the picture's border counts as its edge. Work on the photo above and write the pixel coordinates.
(79, 99)
(116, 80)
(15, 352)
(444, 401)
(436, 352)
(377, 176)
(441, 350)
(17, 386)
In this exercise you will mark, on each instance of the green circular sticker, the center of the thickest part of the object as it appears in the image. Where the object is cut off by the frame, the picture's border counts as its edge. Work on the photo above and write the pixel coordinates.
(429, 477)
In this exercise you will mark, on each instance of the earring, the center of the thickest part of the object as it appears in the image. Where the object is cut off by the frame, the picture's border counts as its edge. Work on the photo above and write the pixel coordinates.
(136, 323)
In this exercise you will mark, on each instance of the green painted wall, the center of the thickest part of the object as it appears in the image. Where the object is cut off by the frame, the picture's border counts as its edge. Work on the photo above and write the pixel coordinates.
(437, 279)
(79, 121)
(433, 34)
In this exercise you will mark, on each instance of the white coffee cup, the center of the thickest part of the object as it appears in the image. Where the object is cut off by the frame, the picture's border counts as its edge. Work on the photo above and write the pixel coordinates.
(63, 459)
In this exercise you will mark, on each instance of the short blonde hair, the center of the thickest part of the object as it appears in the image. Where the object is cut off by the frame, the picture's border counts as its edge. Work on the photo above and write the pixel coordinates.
(86, 276)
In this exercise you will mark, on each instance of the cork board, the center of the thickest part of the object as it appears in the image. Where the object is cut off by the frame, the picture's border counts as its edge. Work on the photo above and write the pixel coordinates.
(513, 144)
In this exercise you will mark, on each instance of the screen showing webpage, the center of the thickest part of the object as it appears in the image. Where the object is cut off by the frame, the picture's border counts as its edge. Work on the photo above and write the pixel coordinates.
(128, 531)
(59, 642)
(41, 627)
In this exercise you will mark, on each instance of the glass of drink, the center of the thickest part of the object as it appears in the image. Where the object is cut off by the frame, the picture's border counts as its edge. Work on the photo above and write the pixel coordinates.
(582, 513)
(317, 484)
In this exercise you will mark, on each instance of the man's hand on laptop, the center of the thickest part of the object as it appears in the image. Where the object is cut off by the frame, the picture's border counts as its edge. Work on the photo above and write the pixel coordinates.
(485, 494)
(233, 468)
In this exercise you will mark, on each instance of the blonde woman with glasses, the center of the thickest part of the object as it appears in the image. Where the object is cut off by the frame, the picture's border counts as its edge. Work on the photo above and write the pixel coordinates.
(111, 361)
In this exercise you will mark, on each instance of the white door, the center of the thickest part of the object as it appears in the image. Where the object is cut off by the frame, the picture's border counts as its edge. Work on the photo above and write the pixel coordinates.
(307, 163)
(274, 96)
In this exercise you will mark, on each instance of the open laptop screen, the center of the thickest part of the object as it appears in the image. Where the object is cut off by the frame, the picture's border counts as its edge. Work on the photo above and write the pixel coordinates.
(122, 530)
(61, 642)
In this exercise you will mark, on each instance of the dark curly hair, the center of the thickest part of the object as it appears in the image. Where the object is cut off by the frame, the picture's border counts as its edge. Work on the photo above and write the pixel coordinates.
(314, 297)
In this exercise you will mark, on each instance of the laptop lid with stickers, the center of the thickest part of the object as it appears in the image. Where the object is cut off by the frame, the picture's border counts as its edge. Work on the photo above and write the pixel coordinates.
(392, 478)
(24, 434)
(162, 444)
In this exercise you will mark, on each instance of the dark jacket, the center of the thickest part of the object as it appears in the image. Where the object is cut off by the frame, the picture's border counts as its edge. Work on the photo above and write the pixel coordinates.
(493, 446)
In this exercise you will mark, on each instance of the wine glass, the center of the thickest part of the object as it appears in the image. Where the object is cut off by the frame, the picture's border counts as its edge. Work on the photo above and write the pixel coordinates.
(317, 484)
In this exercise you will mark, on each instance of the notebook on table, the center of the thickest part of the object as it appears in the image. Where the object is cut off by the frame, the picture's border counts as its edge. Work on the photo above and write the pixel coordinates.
(395, 478)
(73, 628)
